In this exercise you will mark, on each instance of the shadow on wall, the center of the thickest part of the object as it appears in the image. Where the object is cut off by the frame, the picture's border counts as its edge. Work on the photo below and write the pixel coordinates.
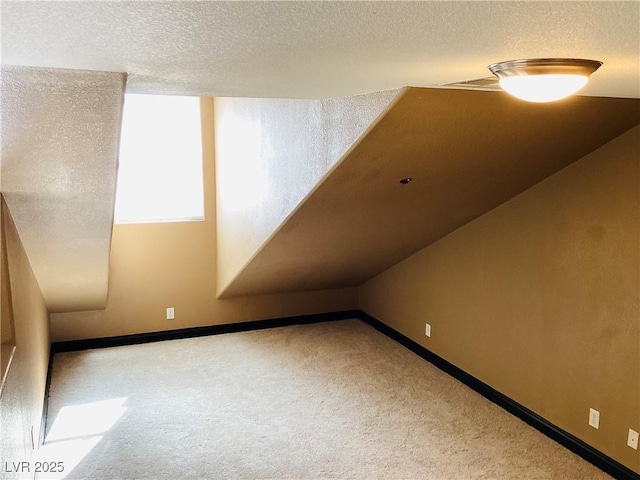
(7, 336)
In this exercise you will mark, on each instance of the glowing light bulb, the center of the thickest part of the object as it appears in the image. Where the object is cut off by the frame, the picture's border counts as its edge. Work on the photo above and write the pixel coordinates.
(543, 88)
(544, 79)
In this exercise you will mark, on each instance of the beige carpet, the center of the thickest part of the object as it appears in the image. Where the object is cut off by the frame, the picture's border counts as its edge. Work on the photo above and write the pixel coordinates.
(329, 400)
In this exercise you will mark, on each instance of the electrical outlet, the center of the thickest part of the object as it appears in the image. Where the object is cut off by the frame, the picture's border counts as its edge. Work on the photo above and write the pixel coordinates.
(427, 329)
(594, 418)
(171, 313)
(632, 439)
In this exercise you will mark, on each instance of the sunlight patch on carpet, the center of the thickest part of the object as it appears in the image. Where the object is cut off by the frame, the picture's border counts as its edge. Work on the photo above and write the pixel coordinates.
(76, 430)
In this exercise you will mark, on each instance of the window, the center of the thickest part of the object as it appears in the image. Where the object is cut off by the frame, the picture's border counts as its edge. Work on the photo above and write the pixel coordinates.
(160, 173)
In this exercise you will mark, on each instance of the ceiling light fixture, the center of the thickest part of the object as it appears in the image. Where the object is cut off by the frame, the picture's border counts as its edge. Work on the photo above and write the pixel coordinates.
(544, 79)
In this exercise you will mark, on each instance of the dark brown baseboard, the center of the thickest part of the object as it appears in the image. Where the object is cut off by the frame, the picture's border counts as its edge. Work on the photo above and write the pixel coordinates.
(564, 438)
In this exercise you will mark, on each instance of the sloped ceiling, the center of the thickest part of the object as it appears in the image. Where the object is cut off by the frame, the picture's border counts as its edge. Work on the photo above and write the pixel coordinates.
(270, 153)
(318, 49)
(59, 152)
(309, 50)
(467, 152)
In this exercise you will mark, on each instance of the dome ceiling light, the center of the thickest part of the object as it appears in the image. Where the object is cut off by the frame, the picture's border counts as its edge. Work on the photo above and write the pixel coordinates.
(544, 79)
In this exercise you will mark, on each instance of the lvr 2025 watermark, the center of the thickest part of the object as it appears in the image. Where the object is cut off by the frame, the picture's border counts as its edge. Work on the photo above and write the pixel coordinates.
(33, 467)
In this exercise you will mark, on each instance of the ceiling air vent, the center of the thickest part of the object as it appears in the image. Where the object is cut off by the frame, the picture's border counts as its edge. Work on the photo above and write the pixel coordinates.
(486, 83)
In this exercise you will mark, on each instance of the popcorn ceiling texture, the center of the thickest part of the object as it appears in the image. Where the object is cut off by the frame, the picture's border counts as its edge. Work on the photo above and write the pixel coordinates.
(270, 154)
(60, 135)
(318, 49)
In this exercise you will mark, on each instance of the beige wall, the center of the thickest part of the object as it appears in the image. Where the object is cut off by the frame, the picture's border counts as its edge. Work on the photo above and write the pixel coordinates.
(270, 154)
(154, 266)
(23, 395)
(539, 298)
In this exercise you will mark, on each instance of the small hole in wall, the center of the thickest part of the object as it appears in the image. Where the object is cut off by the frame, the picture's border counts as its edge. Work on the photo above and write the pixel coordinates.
(406, 180)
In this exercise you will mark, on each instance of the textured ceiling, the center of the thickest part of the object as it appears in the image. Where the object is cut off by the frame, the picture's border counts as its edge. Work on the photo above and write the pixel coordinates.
(60, 128)
(270, 153)
(59, 151)
(467, 152)
(318, 49)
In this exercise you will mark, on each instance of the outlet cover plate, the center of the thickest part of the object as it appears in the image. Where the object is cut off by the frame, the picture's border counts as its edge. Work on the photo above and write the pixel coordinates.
(594, 418)
(632, 439)
(427, 329)
(171, 314)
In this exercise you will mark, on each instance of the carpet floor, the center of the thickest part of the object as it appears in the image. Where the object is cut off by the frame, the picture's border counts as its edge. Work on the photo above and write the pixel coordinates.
(321, 401)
